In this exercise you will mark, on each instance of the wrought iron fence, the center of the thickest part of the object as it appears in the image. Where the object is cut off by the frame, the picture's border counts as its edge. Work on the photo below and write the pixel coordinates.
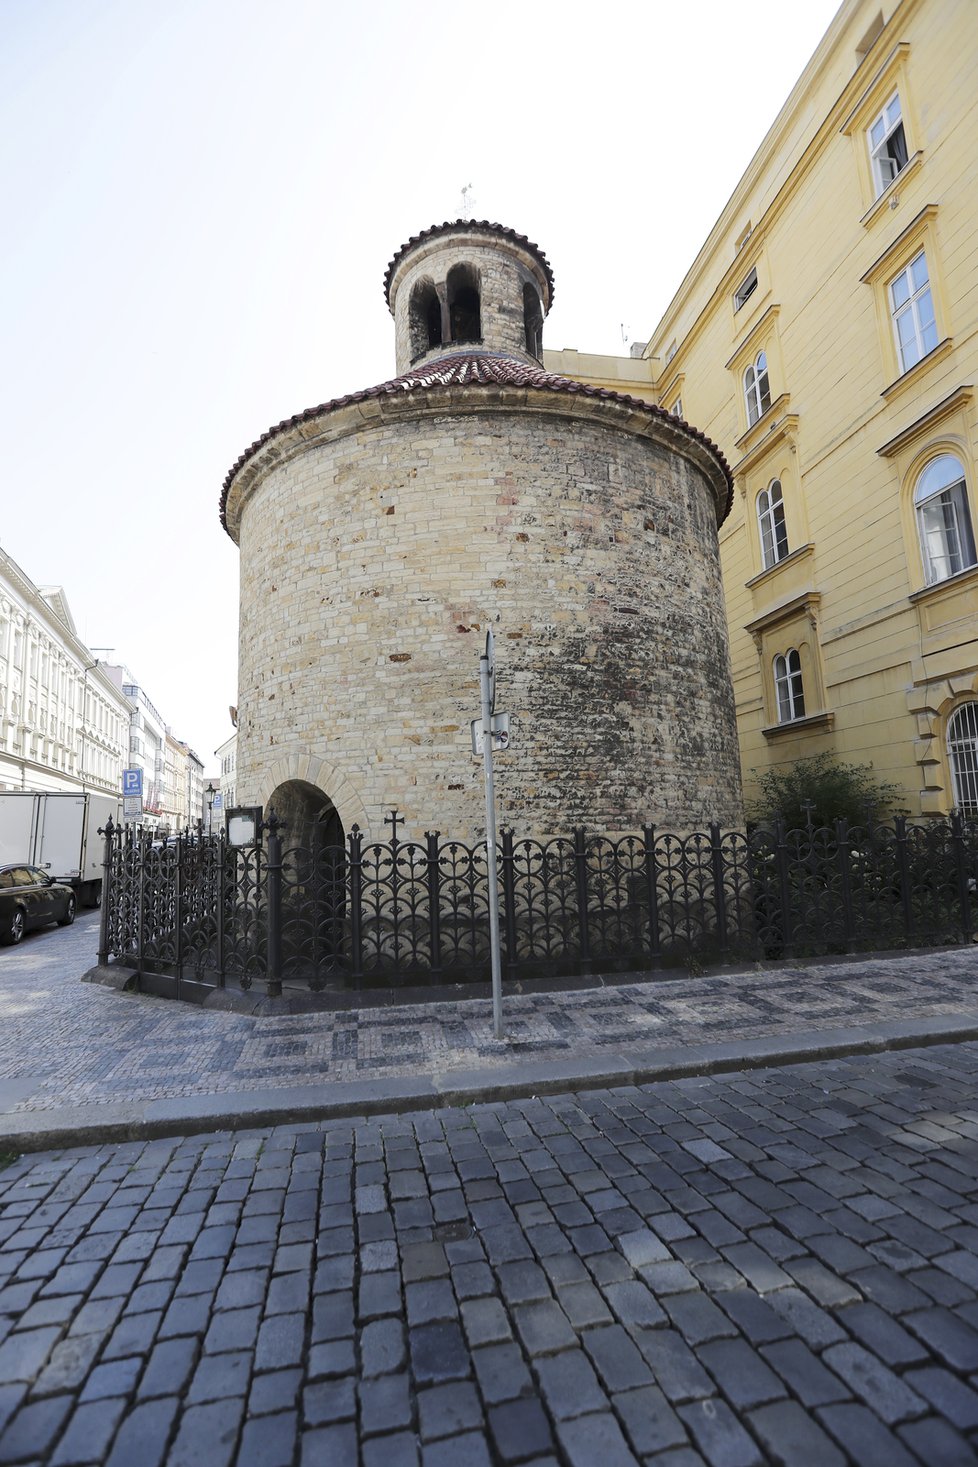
(197, 914)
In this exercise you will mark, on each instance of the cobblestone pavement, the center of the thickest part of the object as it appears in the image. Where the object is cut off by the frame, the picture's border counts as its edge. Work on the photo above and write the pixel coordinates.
(772, 1267)
(68, 1044)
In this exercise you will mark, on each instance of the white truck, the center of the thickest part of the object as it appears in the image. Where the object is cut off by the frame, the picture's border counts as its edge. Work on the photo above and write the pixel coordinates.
(59, 832)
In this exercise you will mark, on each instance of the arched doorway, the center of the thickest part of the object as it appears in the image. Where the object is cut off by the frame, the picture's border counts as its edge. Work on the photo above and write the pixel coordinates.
(313, 884)
(308, 815)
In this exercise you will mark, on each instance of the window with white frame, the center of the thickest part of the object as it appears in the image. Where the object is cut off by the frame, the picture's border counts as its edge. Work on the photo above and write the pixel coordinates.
(746, 288)
(912, 309)
(947, 542)
(962, 755)
(757, 389)
(887, 144)
(771, 524)
(788, 686)
(677, 408)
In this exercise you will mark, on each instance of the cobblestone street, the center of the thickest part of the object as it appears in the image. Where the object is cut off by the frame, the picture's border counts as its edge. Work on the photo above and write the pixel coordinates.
(778, 1266)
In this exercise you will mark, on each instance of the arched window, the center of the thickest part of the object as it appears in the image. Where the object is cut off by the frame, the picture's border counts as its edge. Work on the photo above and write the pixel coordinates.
(532, 320)
(962, 755)
(757, 389)
(940, 496)
(424, 319)
(788, 686)
(464, 306)
(770, 521)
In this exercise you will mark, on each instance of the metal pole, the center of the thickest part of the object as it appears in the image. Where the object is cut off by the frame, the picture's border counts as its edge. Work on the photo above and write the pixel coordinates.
(497, 986)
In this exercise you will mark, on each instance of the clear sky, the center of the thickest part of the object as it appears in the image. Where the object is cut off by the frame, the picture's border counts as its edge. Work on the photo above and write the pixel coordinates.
(200, 198)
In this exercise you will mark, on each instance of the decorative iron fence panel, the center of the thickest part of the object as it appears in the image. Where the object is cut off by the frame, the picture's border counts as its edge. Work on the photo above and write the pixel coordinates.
(197, 912)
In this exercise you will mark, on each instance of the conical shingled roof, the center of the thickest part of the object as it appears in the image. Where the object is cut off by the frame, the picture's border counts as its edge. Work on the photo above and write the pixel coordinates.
(471, 226)
(474, 370)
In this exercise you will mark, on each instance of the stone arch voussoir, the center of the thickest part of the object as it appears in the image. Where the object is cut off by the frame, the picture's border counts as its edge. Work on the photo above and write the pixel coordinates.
(321, 773)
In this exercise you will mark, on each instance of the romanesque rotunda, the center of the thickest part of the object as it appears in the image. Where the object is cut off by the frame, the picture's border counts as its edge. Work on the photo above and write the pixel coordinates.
(382, 532)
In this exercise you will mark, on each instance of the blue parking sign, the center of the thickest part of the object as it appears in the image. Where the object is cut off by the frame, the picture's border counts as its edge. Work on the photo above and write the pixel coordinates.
(132, 782)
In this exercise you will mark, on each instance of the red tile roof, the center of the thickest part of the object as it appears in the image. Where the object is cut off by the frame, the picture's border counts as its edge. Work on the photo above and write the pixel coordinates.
(478, 369)
(471, 226)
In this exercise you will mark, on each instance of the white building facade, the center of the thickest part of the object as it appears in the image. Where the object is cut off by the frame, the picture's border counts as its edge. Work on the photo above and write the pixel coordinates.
(147, 744)
(64, 724)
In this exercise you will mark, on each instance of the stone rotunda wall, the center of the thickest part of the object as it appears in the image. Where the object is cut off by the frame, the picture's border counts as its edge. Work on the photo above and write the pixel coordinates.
(381, 534)
(375, 552)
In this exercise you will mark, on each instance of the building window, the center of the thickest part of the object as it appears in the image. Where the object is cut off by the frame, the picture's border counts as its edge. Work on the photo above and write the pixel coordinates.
(677, 408)
(424, 319)
(913, 313)
(770, 521)
(788, 686)
(962, 754)
(746, 289)
(947, 542)
(464, 307)
(887, 145)
(757, 389)
(532, 321)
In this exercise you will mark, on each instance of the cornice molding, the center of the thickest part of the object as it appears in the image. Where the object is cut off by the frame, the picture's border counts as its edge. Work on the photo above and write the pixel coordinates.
(882, 262)
(806, 602)
(928, 420)
(764, 435)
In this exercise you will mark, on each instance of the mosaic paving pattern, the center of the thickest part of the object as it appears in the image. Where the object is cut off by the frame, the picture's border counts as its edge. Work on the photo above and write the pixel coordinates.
(63, 1042)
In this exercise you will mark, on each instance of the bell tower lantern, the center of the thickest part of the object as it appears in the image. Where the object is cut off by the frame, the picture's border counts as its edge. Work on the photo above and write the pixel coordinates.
(468, 286)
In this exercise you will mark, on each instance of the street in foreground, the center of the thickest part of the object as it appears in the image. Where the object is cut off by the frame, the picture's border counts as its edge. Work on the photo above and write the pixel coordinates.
(773, 1266)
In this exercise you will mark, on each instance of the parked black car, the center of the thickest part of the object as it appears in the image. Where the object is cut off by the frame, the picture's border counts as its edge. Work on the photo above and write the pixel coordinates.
(29, 897)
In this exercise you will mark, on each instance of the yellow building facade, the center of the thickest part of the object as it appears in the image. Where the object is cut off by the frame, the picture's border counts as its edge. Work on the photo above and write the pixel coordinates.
(826, 337)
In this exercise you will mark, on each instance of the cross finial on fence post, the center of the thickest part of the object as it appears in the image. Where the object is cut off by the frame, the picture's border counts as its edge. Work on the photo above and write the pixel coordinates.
(808, 806)
(393, 820)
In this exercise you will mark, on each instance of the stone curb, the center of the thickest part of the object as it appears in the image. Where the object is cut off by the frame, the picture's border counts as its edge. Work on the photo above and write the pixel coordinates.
(97, 1125)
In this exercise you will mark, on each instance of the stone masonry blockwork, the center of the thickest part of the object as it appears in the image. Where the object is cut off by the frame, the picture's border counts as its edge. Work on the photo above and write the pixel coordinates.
(372, 565)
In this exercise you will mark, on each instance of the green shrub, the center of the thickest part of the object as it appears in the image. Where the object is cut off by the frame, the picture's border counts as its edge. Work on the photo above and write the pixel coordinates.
(821, 790)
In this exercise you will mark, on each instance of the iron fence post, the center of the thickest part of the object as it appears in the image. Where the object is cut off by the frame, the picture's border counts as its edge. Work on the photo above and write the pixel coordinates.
(509, 899)
(961, 871)
(395, 887)
(903, 872)
(433, 886)
(580, 873)
(273, 877)
(844, 853)
(652, 888)
(108, 891)
(221, 903)
(178, 913)
(784, 885)
(719, 887)
(144, 848)
(356, 906)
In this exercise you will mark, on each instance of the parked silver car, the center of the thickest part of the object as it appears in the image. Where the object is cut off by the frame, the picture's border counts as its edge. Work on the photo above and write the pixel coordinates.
(29, 897)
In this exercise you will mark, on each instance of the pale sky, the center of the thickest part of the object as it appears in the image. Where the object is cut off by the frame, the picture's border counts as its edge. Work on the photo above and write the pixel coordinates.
(200, 198)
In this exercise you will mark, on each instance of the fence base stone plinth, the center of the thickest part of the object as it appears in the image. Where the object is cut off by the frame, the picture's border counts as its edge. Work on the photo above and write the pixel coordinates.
(109, 975)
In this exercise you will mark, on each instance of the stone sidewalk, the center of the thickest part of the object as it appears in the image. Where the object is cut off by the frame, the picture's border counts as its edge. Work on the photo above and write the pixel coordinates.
(79, 1062)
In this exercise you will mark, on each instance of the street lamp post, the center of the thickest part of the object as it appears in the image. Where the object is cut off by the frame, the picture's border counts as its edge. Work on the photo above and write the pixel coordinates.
(210, 792)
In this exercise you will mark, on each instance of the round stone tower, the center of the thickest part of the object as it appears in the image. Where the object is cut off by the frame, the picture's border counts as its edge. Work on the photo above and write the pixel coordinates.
(383, 532)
